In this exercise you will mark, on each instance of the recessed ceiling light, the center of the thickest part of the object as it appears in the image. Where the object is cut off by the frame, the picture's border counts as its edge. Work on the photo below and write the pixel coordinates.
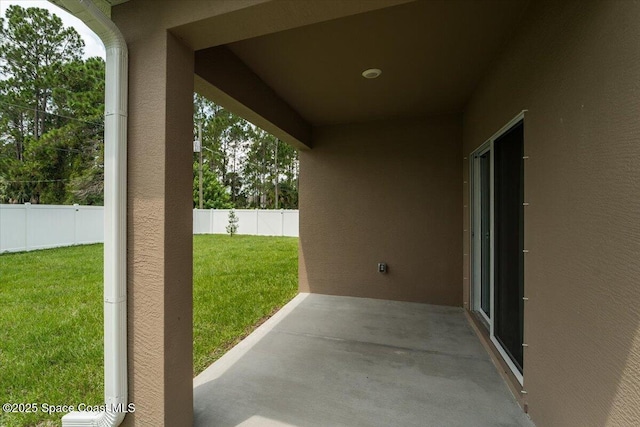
(371, 73)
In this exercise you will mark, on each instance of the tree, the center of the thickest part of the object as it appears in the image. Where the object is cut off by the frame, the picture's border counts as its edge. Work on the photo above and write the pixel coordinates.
(271, 164)
(223, 139)
(214, 195)
(255, 168)
(83, 96)
(232, 228)
(34, 46)
(286, 170)
(51, 107)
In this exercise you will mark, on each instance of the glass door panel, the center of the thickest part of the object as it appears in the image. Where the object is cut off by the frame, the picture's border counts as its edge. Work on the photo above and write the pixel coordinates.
(485, 233)
(509, 243)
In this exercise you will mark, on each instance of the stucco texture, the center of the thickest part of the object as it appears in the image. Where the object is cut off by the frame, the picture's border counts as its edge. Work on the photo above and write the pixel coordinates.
(575, 67)
(388, 192)
(159, 234)
(397, 191)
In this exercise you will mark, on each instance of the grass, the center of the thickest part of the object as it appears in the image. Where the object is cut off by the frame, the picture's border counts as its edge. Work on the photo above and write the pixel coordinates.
(51, 314)
(237, 282)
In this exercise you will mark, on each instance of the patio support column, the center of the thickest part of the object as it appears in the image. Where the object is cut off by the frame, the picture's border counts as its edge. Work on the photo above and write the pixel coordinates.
(160, 228)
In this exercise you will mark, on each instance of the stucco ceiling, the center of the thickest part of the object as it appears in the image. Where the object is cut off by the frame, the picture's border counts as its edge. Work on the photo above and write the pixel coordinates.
(432, 55)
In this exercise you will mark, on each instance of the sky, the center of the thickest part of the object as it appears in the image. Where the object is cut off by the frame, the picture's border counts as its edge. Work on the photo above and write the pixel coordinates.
(92, 44)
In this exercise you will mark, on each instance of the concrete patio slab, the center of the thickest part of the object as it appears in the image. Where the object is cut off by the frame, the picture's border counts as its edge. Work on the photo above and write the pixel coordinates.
(341, 361)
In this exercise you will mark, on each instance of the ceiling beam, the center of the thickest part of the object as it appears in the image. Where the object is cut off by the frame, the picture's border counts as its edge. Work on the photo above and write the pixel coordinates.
(254, 18)
(223, 78)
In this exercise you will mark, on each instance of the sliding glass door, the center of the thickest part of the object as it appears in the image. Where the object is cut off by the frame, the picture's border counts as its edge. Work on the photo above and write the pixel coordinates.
(498, 240)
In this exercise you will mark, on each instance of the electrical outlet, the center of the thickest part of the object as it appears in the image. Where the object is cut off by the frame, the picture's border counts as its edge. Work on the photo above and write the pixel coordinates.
(382, 267)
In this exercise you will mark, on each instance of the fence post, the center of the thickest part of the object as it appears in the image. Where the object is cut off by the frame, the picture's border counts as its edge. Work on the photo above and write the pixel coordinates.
(27, 220)
(75, 223)
(281, 222)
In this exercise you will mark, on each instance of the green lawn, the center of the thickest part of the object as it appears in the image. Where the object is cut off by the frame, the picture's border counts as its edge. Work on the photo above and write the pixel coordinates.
(51, 314)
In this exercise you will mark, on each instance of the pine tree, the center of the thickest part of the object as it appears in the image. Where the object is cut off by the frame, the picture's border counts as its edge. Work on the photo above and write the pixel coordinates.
(232, 228)
(51, 107)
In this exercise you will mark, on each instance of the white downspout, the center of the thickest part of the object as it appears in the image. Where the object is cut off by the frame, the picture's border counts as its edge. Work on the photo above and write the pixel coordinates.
(115, 203)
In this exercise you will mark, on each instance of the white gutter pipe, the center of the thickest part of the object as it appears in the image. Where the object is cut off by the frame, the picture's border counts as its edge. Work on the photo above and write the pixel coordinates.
(115, 211)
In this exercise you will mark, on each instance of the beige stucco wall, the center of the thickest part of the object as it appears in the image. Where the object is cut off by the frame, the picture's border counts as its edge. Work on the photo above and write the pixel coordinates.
(396, 192)
(161, 37)
(383, 192)
(576, 67)
(159, 229)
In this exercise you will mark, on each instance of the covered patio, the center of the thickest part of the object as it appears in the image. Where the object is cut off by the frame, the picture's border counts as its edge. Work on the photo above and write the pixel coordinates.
(491, 165)
(343, 361)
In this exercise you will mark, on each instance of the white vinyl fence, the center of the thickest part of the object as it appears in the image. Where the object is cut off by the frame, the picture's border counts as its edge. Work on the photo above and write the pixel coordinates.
(29, 227)
(256, 222)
